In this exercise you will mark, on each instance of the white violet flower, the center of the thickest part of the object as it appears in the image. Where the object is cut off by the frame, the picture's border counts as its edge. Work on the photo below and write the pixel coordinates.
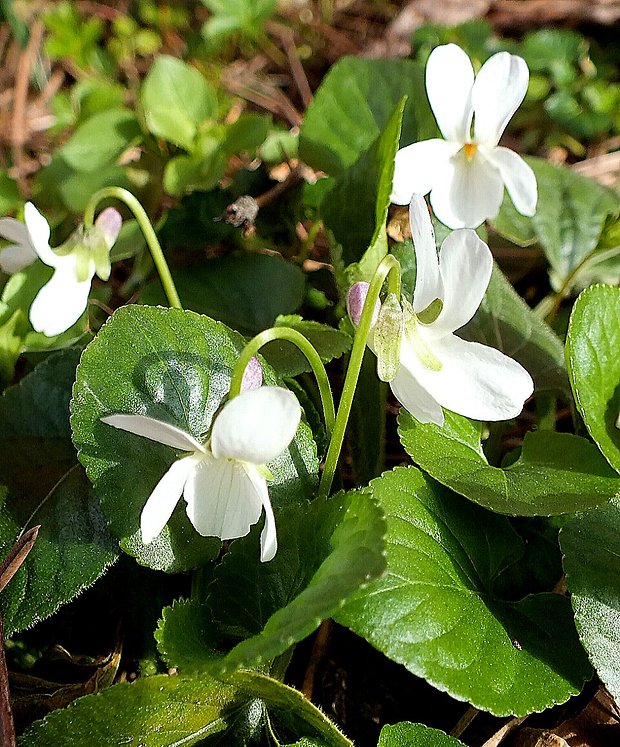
(427, 365)
(223, 481)
(466, 173)
(62, 300)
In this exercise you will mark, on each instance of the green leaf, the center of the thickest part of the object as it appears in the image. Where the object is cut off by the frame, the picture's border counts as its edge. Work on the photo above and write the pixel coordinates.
(73, 549)
(236, 16)
(353, 106)
(327, 549)
(415, 735)
(355, 209)
(591, 547)
(556, 473)
(593, 357)
(176, 99)
(151, 712)
(434, 609)
(287, 360)
(569, 218)
(173, 366)
(246, 291)
(162, 711)
(47, 487)
(100, 140)
(34, 428)
(504, 321)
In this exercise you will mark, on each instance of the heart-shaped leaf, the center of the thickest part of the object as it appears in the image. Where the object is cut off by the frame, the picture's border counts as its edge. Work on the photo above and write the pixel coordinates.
(173, 366)
(593, 357)
(556, 473)
(591, 546)
(434, 609)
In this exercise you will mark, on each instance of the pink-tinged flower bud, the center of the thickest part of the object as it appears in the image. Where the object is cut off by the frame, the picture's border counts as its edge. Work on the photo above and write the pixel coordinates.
(252, 376)
(356, 298)
(109, 222)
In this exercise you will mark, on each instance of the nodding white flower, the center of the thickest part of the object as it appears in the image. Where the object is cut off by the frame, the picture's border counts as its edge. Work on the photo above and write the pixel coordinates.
(428, 367)
(223, 481)
(62, 300)
(466, 173)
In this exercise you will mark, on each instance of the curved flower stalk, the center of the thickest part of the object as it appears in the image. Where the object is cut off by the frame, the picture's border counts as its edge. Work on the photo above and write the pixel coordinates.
(427, 365)
(62, 300)
(224, 480)
(464, 173)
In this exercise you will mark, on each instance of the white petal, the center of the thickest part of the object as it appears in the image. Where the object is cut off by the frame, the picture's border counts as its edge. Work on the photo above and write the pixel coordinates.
(12, 229)
(15, 257)
(413, 397)
(155, 430)
(475, 380)
(417, 167)
(268, 537)
(518, 177)
(469, 192)
(39, 232)
(160, 504)
(59, 303)
(465, 264)
(222, 500)
(256, 425)
(428, 285)
(499, 89)
(449, 81)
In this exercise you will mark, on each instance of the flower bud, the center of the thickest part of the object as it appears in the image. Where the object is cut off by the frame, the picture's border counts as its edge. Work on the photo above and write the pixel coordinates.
(109, 222)
(253, 375)
(356, 298)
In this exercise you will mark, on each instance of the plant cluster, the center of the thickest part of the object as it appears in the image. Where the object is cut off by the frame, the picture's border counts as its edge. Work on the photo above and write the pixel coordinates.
(196, 440)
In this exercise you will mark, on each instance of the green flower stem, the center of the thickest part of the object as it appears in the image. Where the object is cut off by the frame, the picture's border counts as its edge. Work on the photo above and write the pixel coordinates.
(306, 347)
(389, 266)
(136, 208)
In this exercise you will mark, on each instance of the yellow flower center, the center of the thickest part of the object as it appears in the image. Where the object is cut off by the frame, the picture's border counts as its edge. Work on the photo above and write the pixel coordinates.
(470, 150)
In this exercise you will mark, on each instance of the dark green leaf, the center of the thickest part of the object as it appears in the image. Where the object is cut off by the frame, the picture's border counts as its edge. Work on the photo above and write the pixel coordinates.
(287, 360)
(591, 546)
(353, 106)
(327, 549)
(434, 610)
(34, 428)
(74, 547)
(415, 735)
(246, 291)
(593, 357)
(569, 218)
(173, 366)
(556, 473)
(355, 209)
